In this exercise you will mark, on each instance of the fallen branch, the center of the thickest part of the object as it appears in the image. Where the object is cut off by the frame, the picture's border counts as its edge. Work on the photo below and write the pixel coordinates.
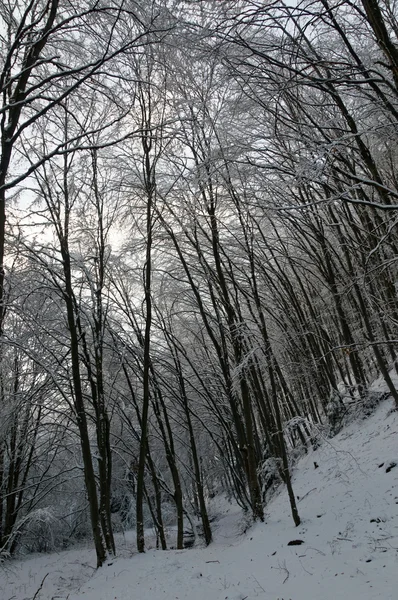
(283, 568)
(305, 495)
(40, 587)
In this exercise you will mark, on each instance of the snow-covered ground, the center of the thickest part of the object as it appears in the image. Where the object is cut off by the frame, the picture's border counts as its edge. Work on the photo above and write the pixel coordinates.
(349, 511)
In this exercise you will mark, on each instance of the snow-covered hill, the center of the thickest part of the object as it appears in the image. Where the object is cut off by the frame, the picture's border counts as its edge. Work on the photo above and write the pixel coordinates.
(349, 511)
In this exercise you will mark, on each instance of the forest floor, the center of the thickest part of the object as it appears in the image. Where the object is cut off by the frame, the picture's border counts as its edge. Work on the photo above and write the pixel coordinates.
(349, 511)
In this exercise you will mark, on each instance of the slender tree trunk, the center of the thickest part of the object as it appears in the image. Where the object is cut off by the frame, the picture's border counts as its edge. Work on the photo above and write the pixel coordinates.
(147, 346)
(89, 474)
(198, 476)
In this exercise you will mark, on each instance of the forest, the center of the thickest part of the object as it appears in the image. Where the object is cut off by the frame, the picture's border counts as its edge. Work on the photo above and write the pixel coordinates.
(198, 255)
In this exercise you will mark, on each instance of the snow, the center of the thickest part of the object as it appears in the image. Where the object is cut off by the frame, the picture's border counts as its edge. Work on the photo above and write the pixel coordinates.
(348, 506)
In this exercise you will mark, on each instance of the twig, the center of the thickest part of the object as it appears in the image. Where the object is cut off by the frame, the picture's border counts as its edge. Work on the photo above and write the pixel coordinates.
(212, 561)
(89, 566)
(316, 550)
(40, 587)
(258, 583)
(283, 568)
(304, 569)
(305, 495)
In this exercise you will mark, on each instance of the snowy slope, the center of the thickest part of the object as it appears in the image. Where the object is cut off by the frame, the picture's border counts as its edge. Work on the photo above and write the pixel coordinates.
(349, 511)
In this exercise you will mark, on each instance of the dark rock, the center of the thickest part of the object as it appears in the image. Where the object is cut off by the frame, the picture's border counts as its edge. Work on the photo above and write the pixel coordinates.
(295, 543)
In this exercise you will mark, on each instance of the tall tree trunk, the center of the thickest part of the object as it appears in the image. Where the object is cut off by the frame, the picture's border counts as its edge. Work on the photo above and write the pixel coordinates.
(148, 175)
(89, 473)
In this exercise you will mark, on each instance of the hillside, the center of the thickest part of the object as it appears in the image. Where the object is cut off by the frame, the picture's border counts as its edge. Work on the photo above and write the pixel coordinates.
(349, 511)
